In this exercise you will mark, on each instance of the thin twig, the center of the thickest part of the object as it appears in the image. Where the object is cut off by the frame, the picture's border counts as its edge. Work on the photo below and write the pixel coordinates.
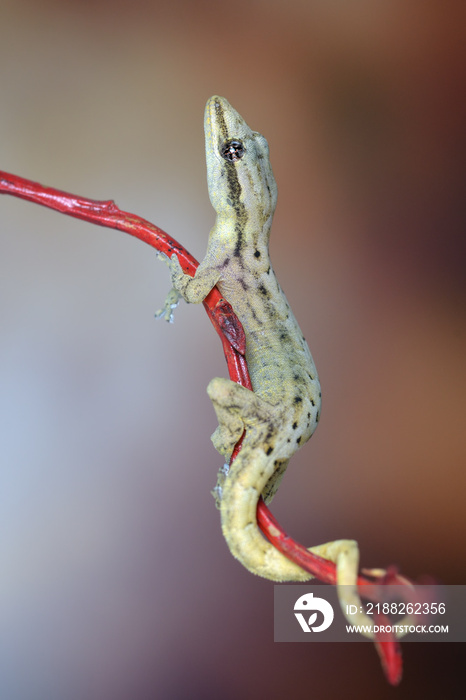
(229, 329)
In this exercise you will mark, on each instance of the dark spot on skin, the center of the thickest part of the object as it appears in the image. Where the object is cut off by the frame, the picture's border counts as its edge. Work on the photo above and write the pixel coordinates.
(268, 271)
(263, 290)
(317, 417)
(296, 377)
(320, 394)
(297, 399)
(226, 262)
(288, 440)
(295, 425)
(268, 436)
(311, 377)
(257, 320)
(308, 415)
(298, 440)
(242, 218)
(257, 254)
(269, 451)
(312, 402)
(283, 336)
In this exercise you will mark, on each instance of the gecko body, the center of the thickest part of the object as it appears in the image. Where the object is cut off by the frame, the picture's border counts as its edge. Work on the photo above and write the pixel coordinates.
(282, 412)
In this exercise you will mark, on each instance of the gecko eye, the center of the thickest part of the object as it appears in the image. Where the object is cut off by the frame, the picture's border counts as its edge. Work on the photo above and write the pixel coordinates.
(232, 150)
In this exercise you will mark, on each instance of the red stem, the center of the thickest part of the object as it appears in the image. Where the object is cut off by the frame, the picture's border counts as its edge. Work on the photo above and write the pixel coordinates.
(228, 327)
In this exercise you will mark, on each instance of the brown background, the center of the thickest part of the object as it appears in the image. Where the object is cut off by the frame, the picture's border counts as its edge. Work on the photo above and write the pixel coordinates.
(115, 582)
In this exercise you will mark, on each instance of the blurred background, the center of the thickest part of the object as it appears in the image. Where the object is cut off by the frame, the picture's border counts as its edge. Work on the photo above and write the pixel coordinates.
(115, 581)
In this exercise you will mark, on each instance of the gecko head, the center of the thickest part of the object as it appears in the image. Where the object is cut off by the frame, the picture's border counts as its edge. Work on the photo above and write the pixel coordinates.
(239, 173)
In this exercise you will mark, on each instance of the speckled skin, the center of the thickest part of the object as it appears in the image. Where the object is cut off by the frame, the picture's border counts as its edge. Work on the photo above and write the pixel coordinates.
(282, 413)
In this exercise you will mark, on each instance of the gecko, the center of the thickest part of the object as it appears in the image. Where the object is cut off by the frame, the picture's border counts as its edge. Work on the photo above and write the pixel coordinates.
(282, 411)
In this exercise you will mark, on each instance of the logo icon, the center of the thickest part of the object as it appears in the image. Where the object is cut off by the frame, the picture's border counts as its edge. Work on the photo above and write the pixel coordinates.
(309, 602)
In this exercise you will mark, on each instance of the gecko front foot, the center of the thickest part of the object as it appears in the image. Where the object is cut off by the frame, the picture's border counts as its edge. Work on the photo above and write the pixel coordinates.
(180, 283)
(171, 302)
